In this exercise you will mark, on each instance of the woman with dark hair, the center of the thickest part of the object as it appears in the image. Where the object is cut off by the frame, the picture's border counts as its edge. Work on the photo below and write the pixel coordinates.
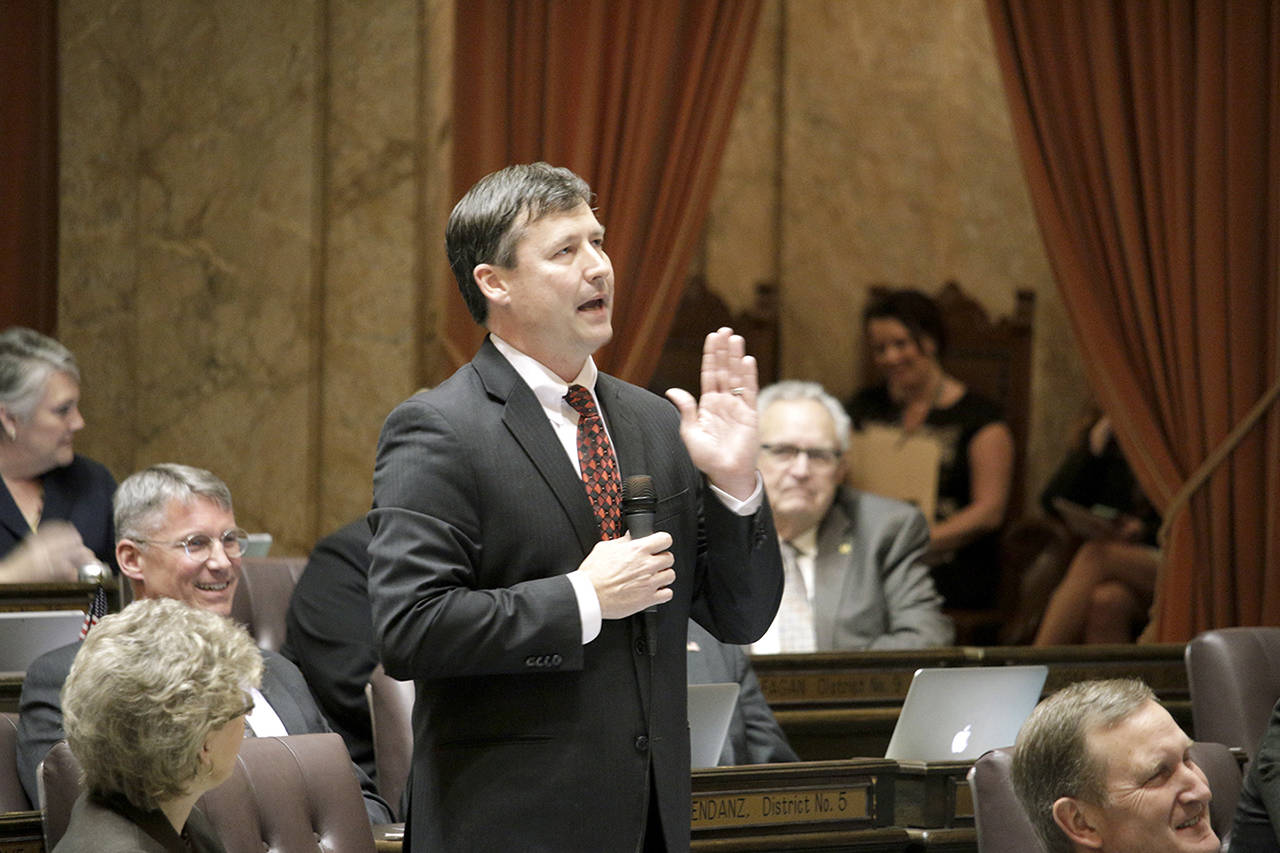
(907, 336)
(55, 505)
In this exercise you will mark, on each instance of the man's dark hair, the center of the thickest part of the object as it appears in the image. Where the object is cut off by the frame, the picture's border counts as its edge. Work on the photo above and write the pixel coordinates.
(486, 224)
(913, 309)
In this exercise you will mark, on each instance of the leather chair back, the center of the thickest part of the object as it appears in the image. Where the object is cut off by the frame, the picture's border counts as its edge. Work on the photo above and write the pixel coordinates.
(1002, 825)
(294, 794)
(1224, 771)
(391, 714)
(58, 780)
(12, 797)
(1234, 677)
(262, 597)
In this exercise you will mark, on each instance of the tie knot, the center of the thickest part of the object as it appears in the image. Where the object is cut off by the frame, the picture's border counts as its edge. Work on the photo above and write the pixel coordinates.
(795, 549)
(581, 400)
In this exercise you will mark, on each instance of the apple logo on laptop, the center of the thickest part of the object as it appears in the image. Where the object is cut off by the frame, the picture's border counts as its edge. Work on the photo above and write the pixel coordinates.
(960, 742)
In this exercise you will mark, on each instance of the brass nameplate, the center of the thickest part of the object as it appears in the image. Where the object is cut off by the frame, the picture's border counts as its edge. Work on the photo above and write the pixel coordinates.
(836, 686)
(754, 808)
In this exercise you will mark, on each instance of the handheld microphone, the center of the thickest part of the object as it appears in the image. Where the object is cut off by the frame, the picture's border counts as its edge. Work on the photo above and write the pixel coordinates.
(638, 503)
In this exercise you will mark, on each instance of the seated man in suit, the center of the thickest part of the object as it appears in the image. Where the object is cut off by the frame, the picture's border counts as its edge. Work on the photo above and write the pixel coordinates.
(329, 635)
(1256, 828)
(855, 576)
(754, 734)
(176, 537)
(1101, 766)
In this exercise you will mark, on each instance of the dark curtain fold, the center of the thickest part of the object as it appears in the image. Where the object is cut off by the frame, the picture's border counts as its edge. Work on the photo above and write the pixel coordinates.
(634, 95)
(29, 165)
(1149, 132)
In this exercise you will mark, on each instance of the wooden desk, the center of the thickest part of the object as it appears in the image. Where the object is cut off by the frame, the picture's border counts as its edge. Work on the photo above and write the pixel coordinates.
(823, 805)
(956, 840)
(10, 690)
(841, 704)
(861, 806)
(21, 832)
(56, 596)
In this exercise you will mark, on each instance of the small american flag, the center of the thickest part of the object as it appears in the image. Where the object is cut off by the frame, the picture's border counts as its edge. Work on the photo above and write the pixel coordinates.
(97, 609)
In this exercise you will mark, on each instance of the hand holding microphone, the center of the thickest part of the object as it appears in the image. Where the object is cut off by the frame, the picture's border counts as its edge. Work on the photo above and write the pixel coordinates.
(632, 574)
(638, 503)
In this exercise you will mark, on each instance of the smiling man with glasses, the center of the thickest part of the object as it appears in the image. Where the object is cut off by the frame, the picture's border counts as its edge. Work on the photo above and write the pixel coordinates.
(176, 537)
(854, 572)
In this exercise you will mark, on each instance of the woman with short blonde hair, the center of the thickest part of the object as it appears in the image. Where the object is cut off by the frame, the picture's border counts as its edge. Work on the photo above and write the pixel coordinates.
(154, 712)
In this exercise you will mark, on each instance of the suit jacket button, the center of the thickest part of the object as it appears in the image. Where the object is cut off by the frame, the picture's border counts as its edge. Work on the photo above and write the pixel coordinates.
(641, 647)
(642, 743)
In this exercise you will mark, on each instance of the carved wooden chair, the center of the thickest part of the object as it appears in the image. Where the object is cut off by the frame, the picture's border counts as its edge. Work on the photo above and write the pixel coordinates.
(701, 311)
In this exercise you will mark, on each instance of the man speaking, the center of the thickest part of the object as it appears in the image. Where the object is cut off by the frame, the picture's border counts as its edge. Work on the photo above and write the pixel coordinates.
(547, 645)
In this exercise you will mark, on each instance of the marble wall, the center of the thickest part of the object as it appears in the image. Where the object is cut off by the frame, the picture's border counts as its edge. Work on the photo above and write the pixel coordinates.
(253, 193)
(248, 200)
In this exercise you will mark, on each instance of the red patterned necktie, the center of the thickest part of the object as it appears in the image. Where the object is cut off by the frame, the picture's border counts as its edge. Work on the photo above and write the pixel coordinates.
(595, 458)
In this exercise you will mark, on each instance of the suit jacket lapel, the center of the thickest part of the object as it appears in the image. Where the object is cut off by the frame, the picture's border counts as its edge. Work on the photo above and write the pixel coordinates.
(523, 416)
(829, 570)
(278, 695)
(631, 448)
(628, 439)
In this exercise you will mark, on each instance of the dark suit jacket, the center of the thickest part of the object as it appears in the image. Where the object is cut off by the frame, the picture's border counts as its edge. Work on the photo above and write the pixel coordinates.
(329, 635)
(873, 590)
(79, 493)
(40, 715)
(116, 826)
(1256, 828)
(754, 734)
(524, 737)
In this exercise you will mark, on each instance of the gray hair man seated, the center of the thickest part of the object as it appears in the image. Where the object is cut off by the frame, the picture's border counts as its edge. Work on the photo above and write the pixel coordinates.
(176, 537)
(855, 571)
(1101, 766)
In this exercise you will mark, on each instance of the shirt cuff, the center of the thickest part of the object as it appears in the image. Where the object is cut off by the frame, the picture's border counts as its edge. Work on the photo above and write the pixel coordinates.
(737, 507)
(588, 606)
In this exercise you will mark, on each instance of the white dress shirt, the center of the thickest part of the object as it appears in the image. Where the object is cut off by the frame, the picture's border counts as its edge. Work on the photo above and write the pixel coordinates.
(550, 389)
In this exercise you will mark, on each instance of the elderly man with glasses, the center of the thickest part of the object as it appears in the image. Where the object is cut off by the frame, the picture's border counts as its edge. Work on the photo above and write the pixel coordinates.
(176, 537)
(855, 577)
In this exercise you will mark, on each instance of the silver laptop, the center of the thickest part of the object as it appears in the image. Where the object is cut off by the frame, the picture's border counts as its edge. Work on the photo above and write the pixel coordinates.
(257, 545)
(26, 635)
(958, 713)
(710, 709)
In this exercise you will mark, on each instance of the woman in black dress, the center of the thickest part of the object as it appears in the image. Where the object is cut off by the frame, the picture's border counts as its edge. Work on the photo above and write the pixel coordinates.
(975, 472)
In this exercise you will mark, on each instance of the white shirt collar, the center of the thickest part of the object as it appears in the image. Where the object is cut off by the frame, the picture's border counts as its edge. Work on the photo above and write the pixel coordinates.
(546, 385)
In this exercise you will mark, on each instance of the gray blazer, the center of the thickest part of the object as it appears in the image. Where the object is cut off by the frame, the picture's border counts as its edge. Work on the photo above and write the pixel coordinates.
(116, 826)
(523, 736)
(873, 590)
(40, 715)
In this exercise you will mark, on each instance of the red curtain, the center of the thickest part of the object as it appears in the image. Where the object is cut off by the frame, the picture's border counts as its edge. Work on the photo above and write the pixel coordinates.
(29, 165)
(1150, 135)
(636, 96)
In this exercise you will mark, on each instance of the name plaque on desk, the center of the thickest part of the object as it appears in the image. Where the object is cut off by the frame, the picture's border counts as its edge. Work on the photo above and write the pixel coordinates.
(835, 686)
(732, 809)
